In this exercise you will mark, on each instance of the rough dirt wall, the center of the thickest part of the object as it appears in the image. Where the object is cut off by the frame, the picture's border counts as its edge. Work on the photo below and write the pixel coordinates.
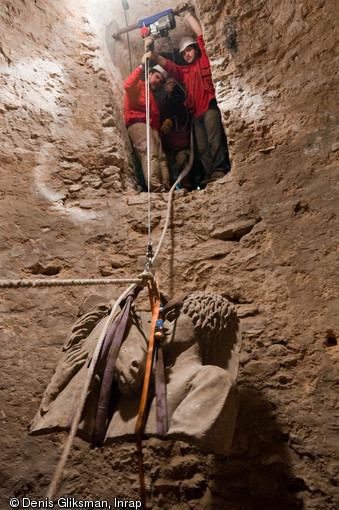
(265, 237)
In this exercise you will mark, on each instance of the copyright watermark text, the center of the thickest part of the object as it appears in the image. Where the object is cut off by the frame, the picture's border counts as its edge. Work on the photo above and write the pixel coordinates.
(70, 503)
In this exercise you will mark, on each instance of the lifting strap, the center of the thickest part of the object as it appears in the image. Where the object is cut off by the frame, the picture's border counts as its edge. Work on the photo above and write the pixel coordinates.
(160, 384)
(155, 306)
(160, 392)
(112, 343)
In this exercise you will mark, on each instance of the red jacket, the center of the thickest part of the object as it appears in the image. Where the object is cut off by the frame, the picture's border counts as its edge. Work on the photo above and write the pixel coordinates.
(197, 78)
(135, 101)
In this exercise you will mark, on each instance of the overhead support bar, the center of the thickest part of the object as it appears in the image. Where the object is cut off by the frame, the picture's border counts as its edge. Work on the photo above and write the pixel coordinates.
(124, 30)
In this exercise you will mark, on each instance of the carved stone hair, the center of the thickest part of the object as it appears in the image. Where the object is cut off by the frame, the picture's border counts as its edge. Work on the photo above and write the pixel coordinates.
(215, 323)
(213, 316)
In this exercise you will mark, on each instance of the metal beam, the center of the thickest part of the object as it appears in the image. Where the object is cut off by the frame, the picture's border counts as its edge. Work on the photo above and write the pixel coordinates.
(121, 31)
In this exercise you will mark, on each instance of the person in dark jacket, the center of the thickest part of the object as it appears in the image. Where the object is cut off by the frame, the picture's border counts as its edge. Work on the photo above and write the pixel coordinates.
(175, 129)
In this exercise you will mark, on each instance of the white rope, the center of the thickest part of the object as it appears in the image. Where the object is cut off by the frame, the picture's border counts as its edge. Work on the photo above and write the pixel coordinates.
(55, 282)
(143, 277)
(147, 94)
(80, 408)
(170, 196)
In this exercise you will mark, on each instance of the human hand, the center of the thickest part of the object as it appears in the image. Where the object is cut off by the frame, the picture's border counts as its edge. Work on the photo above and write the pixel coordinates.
(149, 43)
(147, 55)
(182, 6)
(166, 126)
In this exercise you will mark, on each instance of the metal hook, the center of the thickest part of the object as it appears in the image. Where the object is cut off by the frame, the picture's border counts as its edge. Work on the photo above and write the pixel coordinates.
(149, 255)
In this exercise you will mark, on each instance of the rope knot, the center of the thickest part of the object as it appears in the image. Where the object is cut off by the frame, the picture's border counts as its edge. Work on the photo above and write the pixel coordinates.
(145, 277)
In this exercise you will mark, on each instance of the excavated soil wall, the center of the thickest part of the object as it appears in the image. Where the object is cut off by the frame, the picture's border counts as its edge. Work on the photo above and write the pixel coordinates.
(264, 236)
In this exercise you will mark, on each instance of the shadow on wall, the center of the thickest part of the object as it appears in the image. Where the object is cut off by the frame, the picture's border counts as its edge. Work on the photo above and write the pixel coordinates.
(257, 476)
(230, 35)
(110, 29)
(126, 50)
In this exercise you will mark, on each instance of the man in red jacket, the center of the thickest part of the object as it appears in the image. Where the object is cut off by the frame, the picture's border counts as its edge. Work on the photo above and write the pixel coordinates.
(201, 102)
(135, 119)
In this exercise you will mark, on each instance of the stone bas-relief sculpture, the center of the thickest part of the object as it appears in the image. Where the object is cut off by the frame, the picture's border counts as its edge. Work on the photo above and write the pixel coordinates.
(200, 345)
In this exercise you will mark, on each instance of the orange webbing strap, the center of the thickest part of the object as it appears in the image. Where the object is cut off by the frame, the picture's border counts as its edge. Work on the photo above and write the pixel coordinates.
(141, 474)
(155, 306)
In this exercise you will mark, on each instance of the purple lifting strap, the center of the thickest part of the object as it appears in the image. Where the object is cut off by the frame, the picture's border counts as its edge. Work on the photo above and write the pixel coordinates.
(113, 340)
(160, 392)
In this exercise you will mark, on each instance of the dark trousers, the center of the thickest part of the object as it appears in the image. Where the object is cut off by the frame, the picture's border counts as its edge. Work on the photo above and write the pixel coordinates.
(212, 141)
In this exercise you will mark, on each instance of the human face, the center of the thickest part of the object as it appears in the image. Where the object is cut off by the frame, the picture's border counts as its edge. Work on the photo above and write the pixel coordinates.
(156, 80)
(170, 84)
(190, 54)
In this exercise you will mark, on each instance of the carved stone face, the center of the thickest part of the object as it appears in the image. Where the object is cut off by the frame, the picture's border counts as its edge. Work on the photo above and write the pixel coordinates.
(179, 329)
(130, 365)
(201, 394)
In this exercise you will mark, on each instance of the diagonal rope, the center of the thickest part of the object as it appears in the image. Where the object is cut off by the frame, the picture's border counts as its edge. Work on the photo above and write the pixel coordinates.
(170, 196)
(80, 408)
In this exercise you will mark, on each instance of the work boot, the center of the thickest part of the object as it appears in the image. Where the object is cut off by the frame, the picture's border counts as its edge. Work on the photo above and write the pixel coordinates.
(213, 177)
(158, 189)
(217, 175)
(186, 184)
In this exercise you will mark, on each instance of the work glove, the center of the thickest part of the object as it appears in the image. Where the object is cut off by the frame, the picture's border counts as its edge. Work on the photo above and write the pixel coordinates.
(166, 126)
(184, 10)
(149, 43)
(183, 6)
(147, 55)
